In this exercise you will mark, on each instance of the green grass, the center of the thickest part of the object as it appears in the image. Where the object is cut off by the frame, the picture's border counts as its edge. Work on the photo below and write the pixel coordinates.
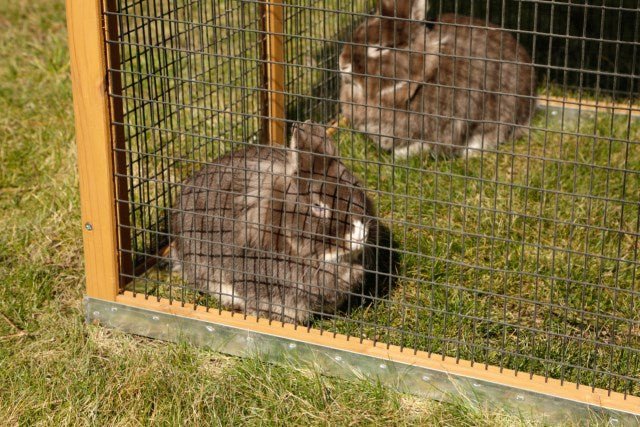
(54, 369)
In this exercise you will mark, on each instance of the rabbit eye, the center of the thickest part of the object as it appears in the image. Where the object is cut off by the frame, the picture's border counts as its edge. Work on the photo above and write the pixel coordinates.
(376, 51)
(320, 210)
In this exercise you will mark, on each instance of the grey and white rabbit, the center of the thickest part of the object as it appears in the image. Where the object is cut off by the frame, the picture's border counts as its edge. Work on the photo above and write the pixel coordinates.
(274, 232)
(459, 84)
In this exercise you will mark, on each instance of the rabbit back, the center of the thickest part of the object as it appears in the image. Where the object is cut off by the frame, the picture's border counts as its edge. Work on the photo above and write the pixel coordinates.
(483, 88)
(461, 83)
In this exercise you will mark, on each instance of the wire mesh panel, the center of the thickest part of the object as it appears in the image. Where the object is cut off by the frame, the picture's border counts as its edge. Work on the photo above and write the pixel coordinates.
(521, 252)
(189, 72)
(312, 45)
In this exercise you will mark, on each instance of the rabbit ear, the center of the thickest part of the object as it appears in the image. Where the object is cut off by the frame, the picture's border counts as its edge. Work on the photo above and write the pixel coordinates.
(413, 9)
(395, 8)
(308, 139)
(294, 154)
(419, 9)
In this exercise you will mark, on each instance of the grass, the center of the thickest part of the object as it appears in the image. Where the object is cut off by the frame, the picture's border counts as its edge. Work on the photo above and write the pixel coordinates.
(54, 369)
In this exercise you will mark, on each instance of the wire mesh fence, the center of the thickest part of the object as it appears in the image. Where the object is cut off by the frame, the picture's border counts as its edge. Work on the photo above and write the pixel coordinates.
(522, 254)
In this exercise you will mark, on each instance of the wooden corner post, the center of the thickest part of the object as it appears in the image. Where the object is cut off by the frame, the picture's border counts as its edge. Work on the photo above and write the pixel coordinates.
(95, 152)
(274, 64)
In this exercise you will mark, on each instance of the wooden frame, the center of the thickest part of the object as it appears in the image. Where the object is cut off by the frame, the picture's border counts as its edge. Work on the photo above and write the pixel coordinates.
(95, 153)
(104, 262)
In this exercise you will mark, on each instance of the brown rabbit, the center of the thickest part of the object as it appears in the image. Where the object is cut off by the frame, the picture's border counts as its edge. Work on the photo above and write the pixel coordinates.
(457, 84)
(275, 232)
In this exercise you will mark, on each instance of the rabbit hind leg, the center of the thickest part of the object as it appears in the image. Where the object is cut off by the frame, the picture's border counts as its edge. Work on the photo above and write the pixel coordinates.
(291, 310)
(386, 143)
(297, 309)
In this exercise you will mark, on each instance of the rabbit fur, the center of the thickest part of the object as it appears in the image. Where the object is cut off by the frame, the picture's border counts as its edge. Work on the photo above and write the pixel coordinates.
(458, 85)
(275, 232)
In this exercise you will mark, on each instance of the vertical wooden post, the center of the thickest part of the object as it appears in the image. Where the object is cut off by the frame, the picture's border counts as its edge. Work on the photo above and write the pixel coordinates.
(95, 154)
(273, 23)
(119, 144)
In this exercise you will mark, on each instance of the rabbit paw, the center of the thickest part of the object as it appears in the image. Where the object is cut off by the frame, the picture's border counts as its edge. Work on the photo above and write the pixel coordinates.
(477, 143)
(415, 148)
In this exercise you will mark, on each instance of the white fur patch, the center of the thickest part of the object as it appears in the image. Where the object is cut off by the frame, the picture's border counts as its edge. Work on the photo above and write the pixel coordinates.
(331, 256)
(357, 236)
(412, 149)
(476, 142)
(434, 45)
(373, 52)
(176, 264)
(419, 10)
(354, 240)
(359, 232)
(224, 291)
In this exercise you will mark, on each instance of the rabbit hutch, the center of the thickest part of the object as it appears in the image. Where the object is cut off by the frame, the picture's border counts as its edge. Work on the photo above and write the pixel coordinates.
(441, 195)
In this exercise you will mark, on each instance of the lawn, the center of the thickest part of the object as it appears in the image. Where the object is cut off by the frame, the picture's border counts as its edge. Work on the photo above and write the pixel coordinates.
(56, 370)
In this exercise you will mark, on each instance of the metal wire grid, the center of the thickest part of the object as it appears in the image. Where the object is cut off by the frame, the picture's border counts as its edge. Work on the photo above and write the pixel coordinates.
(526, 258)
(585, 45)
(311, 54)
(178, 60)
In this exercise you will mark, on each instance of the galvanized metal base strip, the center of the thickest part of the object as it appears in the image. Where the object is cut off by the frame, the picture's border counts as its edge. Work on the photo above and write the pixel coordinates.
(405, 378)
